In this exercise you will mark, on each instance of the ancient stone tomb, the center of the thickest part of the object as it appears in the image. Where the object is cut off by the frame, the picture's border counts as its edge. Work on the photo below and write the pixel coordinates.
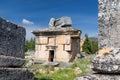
(59, 42)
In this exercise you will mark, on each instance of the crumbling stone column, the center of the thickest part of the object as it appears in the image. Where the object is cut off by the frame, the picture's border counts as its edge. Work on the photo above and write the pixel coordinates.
(107, 60)
(12, 45)
(106, 63)
(109, 23)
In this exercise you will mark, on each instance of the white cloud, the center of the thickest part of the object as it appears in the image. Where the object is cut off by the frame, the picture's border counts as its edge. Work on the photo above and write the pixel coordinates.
(25, 21)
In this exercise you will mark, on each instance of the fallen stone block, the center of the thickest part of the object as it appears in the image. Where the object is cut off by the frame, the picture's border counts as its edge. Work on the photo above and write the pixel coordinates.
(63, 21)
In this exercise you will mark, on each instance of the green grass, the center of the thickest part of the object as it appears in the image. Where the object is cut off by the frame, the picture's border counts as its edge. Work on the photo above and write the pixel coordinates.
(63, 73)
(36, 66)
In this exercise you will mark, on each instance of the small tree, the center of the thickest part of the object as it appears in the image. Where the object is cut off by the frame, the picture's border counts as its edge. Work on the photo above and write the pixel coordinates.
(87, 45)
(94, 46)
(30, 44)
(90, 45)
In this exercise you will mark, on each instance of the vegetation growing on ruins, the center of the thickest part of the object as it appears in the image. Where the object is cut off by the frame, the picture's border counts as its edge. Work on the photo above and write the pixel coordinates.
(78, 68)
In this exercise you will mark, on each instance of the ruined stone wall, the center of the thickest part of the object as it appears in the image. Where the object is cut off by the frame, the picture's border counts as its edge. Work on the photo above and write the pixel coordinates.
(12, 39)
(109, 23)
(61, 43)
(65, 47)
(12, 44)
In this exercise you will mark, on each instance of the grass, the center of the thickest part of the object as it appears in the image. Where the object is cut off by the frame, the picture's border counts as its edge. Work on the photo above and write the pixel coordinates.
(65, 74)
(82, 65)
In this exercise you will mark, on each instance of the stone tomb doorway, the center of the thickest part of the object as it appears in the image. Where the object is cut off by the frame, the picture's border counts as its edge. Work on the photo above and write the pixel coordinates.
(51, 56)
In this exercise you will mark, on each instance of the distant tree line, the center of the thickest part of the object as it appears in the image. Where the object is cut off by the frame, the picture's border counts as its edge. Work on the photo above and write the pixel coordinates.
(30, 44)
(90, 45)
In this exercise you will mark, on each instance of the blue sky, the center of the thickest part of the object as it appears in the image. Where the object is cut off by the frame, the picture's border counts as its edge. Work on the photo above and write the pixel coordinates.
(35, 14)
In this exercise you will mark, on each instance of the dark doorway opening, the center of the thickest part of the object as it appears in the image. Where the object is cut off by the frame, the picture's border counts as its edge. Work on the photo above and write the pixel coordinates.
(51, 55)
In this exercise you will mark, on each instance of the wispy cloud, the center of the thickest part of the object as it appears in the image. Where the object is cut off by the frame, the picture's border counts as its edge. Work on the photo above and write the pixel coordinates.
(25, 21)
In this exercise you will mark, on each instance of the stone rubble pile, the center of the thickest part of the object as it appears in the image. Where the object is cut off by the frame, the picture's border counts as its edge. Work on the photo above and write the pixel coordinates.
(12, 45)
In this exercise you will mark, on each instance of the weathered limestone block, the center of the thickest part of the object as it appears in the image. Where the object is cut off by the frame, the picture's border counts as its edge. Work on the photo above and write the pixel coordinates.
(12, 44)
(12, 39)
(15, 74)
(99, 77)
(63, 21)
(108, 62)
(109, 31)
(109, 23)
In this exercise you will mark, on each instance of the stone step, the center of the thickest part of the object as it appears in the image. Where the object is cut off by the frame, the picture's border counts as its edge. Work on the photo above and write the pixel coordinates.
(15, 74)
(9, 61)
(99, 77)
